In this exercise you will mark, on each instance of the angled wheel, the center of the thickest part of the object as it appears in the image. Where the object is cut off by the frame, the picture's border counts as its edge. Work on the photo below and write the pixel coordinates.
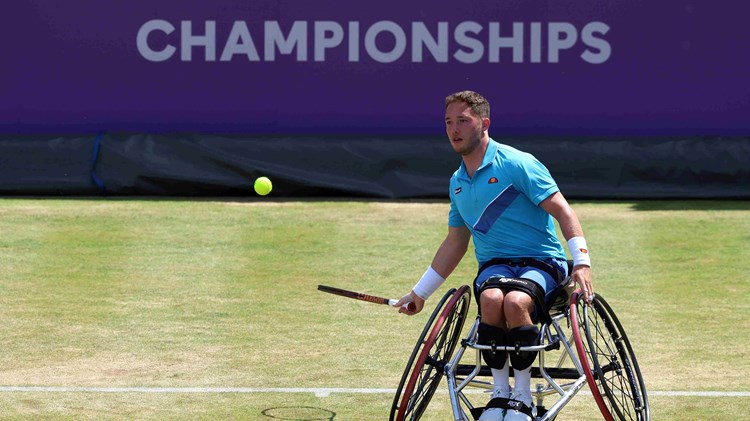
(608, 360)
(433, 350)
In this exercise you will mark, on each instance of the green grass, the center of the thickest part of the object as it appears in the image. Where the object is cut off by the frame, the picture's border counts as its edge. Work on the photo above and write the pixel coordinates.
(180, 293)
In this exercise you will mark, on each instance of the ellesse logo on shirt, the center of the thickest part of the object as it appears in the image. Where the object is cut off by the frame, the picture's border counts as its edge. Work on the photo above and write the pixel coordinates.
(492, 180)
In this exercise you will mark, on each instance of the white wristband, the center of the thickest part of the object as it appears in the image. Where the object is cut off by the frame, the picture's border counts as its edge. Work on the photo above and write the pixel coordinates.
(579, 251)
(428, 284)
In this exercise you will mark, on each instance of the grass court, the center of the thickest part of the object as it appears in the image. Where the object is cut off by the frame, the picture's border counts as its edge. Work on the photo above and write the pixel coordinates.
(208, 309)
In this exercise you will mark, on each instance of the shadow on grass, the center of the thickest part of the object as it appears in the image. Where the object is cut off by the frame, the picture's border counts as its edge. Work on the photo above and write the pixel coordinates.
(229, 198)
(640, 205)
(695, 205)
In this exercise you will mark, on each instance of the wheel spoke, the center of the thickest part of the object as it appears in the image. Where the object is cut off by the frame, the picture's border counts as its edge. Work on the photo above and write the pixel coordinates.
(615, 369)
(434, 349)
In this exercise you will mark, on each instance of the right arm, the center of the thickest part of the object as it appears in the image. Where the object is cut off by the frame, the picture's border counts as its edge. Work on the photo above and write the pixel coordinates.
(447, 257)
(453, 249)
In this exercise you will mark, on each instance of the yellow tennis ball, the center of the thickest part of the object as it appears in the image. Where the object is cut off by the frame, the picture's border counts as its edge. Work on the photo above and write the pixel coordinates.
(263, 186)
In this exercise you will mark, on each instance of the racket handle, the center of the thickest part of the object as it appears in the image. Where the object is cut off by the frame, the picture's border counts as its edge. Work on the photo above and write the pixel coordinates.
(409, 306)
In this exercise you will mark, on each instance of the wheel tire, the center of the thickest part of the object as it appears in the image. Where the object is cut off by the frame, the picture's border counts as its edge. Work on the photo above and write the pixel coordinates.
(433, 350)
(608, 360)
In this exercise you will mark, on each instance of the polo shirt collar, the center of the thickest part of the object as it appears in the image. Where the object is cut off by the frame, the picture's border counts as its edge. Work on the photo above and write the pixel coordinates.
(489, 156)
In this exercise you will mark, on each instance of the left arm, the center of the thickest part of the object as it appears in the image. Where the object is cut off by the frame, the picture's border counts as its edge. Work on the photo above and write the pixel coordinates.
(558, 207)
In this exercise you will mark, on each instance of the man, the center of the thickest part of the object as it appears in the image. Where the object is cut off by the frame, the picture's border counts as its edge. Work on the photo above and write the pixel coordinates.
(505, 199)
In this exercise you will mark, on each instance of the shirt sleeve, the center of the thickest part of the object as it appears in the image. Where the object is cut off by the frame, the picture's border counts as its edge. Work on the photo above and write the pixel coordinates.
(533, 179)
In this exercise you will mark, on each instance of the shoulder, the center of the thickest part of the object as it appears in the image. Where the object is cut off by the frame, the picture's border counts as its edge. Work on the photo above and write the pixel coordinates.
(512, 154)
(517, 161)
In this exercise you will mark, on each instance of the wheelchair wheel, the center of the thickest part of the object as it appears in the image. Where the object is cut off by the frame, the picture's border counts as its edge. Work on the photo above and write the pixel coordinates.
(608, 360)
(433, 350)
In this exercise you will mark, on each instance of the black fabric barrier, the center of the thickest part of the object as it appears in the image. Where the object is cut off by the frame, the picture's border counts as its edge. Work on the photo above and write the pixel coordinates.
(376, 167)
(46, 165)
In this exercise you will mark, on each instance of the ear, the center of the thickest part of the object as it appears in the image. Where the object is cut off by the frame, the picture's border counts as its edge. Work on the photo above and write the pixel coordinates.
(485, 124)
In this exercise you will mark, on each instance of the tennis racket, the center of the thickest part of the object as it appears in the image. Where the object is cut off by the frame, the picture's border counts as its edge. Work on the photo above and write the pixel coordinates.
(364, 297)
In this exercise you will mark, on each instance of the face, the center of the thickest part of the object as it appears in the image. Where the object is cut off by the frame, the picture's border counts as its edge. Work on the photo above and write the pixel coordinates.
(464, 128)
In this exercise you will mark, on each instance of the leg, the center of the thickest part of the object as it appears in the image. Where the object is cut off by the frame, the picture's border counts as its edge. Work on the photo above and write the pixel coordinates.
(503, 306)
(518, 307)
(506, 320)
(491, 330)
(510, 312)
(491, 303)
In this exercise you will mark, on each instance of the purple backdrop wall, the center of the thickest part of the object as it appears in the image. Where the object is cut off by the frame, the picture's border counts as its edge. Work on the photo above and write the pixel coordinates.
(376, 68)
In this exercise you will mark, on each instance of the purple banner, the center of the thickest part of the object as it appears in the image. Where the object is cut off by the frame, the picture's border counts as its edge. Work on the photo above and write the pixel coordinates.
(347, 67)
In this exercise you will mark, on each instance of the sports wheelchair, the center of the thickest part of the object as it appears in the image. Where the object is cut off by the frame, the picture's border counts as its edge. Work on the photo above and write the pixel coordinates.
(603, 358)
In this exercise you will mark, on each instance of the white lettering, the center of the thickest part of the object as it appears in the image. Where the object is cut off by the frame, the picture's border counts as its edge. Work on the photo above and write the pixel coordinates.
(497, 42)
(588, 38)
(476, 48)
(536, 42)
(142, 40)
(239, 42)
(323, 42)
(420, 36)
(372, 48)
(383, 41)
(561, 36)
(354, 41)
(275, 38)
(207, 41)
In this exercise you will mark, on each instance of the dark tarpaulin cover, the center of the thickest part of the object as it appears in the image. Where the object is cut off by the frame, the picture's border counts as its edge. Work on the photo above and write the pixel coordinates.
(389, 167)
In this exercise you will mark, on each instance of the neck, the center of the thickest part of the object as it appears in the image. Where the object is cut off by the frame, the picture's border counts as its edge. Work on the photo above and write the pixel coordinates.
(474, 159)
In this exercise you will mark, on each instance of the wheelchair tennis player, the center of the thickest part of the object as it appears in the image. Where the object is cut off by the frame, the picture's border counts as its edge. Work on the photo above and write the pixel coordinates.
(505, 199)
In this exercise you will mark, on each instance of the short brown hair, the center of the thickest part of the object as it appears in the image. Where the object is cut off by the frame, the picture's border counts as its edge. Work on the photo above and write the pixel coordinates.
(478, 104)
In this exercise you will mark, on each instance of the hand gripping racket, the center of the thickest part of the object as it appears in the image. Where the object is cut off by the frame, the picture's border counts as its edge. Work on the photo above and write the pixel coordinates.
(364, 297)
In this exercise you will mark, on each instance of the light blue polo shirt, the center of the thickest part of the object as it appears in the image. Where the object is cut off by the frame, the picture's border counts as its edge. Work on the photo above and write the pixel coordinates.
(500, 206)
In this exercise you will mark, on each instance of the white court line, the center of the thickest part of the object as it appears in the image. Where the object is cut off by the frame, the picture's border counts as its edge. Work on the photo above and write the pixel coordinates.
(319, 392)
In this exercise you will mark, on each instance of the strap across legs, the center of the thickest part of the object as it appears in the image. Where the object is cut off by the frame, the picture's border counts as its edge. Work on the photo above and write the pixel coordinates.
(518, 284)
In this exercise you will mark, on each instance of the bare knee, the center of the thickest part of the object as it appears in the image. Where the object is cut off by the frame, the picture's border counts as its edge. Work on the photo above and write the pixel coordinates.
(517, 308)
(491, 305)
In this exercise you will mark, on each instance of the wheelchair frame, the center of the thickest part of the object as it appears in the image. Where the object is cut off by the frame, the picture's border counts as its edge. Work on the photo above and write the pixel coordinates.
(603, 358)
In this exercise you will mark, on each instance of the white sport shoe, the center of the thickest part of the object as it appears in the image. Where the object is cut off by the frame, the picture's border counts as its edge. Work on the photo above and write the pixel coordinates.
(495, 414)
(514, 415)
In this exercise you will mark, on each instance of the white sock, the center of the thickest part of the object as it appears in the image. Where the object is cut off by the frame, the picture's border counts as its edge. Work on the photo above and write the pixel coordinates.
(523, 380)
(501, 378)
